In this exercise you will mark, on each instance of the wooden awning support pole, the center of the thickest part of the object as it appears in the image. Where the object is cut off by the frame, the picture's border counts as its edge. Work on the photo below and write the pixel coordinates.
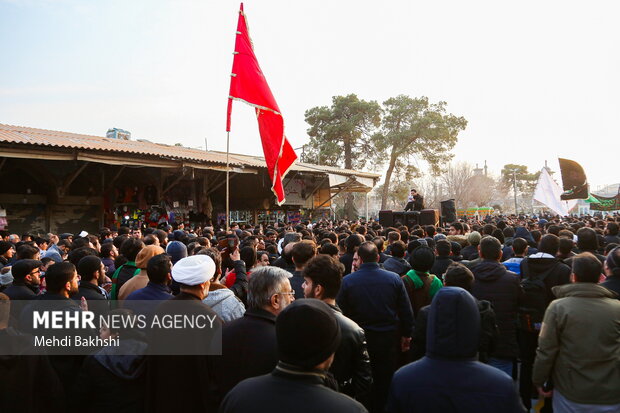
(176, 181)
(118, 174)
(348, 184)
(69, 180)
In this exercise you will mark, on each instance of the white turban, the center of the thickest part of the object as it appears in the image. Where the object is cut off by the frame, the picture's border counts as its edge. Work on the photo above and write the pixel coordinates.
(193, 270)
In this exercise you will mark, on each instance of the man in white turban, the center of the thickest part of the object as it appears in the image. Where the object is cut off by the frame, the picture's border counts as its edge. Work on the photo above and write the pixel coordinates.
(190, 377)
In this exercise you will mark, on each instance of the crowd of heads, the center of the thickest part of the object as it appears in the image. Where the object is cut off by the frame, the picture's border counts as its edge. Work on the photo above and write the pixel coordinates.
(196, 260)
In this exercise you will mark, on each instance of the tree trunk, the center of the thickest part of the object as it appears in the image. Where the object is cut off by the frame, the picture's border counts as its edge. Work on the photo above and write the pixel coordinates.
(349, 207)
(386, 184)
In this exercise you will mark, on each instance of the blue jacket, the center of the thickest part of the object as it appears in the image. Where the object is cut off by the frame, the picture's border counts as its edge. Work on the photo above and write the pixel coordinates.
(448, 378)
(151, 292)
(146, 300)
(376, 300)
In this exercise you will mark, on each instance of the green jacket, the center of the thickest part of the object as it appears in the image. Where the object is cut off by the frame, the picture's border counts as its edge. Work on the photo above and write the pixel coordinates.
(579, 344)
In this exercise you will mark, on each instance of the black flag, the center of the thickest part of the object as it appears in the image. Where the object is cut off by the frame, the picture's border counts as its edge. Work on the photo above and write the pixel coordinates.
(574, 180)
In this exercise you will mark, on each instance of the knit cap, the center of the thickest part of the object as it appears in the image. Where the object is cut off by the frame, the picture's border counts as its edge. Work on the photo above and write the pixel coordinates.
(307, 333)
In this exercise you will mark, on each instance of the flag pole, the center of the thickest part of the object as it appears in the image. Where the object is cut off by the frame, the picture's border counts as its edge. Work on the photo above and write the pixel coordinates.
(227, 180)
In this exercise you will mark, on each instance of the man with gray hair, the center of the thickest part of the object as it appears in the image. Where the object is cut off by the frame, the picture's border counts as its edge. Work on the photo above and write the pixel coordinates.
(249, 346)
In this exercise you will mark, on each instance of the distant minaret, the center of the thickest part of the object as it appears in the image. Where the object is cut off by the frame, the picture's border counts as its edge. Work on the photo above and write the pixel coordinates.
(485, 168)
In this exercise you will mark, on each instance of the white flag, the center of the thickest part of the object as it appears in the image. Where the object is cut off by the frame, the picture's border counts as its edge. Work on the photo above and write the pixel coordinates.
(548, 193)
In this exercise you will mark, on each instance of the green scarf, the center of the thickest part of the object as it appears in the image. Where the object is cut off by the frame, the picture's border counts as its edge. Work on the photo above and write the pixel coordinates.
(436, 283)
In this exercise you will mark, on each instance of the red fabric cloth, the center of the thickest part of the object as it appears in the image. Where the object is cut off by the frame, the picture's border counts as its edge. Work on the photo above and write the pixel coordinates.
(248, 84)
(232, 277)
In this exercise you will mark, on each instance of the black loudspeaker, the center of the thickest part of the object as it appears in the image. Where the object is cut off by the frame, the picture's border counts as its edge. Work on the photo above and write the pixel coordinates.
(412, 218)
(448, 211)
(386, 218)
(429, 217)
(399, 218)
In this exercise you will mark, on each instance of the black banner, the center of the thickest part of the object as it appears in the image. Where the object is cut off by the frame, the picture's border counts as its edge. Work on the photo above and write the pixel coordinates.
(574, 180)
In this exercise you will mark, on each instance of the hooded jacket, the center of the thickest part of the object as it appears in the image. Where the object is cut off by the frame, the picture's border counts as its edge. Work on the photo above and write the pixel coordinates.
(502, 289)
(488, 332)
(579, 344)
(436, 382)
(224, 302)
(522, 232)
(114, 375)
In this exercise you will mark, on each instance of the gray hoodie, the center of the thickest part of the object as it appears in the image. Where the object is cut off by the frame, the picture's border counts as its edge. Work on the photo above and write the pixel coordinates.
(225, 304)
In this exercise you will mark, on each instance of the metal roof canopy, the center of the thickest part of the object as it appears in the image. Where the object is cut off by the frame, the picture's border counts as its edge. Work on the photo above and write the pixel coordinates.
(338, 183)
(36, 144)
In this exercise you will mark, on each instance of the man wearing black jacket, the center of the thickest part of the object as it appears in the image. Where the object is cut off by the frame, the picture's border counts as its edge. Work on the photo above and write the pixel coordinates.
(25, 287)
(92, 272)
(185, 383)
(307, 337)
(551, 271)
(61, 282)
(351, 367)
(443, 250)
(249, 346)
(502, 289)
(377, 301)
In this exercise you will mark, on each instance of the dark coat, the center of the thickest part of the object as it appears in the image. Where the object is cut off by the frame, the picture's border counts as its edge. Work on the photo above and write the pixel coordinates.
(449, 379)
(398, 265)
(19, 294)
(181, 383)
(146, 300)
(383, 257)
(285, 264)
(612, 239)
(112, 383)
(21, 291)
(376, 300)
(29, 382)
(286, 390)
(249, 349)
(151, 292)
(347, 260)
(601, 258)
(469, 252)
(351, 366)
(95, 299)
(240, 287)
(440, 266)
(503, 290)
(557, 272)
(66, 366)
(612, 283)
(473, 263)
(296, 284)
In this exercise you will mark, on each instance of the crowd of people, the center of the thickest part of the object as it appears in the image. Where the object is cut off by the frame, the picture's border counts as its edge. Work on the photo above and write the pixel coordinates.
(502, 315)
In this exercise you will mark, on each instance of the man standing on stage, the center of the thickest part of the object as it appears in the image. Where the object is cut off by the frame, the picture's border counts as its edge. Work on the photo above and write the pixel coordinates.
(415, 201)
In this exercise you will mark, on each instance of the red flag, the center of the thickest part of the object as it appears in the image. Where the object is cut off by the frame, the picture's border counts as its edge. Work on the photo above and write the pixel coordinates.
(248, 84)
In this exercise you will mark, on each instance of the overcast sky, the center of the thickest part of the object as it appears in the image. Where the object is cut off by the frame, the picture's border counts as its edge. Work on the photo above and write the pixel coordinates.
(535, 79)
